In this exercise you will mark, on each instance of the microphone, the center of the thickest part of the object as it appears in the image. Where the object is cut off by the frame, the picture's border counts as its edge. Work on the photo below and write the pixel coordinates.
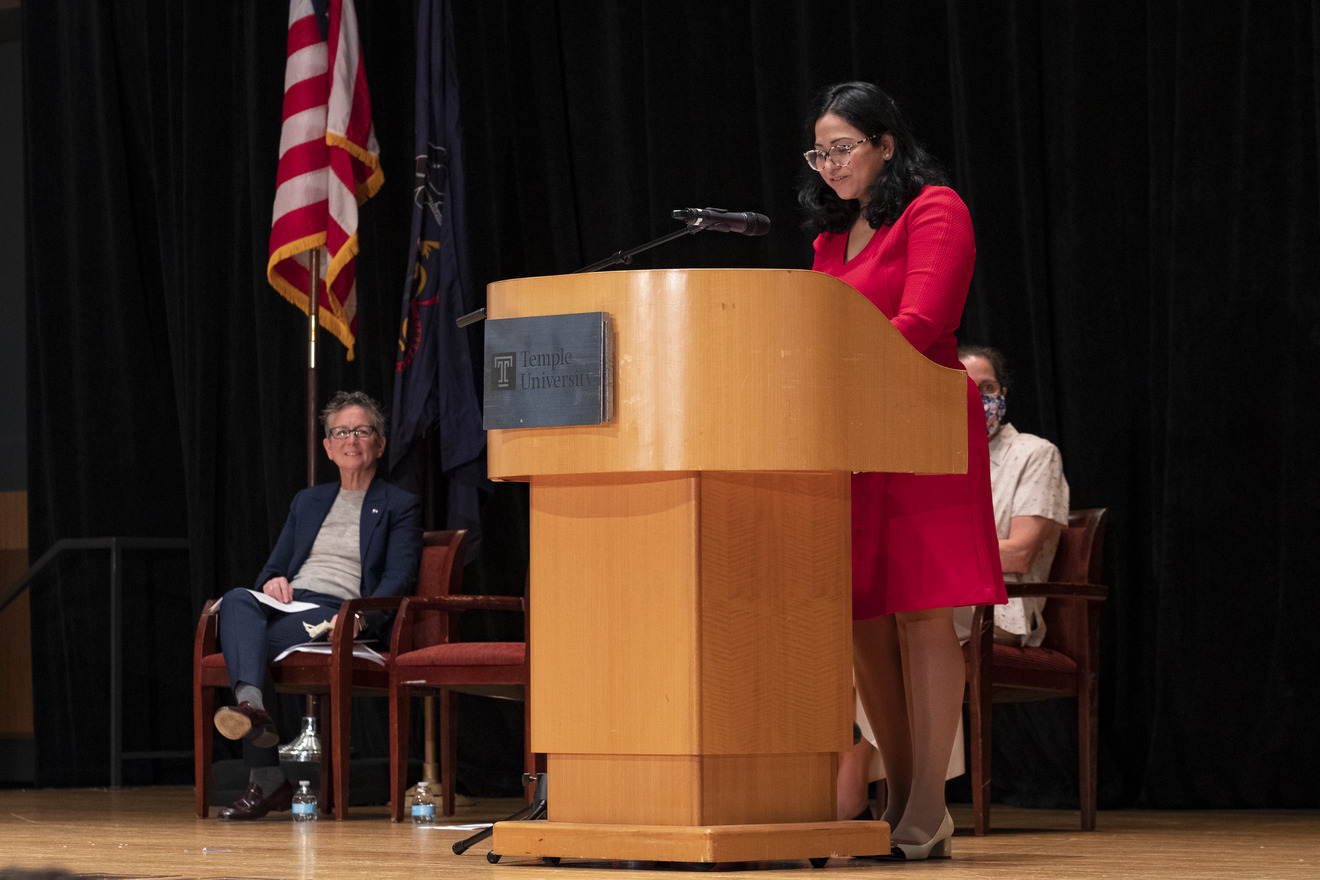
(721, 220)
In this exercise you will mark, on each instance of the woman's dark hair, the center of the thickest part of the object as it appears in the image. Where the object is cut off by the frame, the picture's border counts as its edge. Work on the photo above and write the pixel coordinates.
(996, 359)
(872, 112)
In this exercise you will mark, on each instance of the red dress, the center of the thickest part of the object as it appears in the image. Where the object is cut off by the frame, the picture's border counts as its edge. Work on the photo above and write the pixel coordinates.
(921, 542)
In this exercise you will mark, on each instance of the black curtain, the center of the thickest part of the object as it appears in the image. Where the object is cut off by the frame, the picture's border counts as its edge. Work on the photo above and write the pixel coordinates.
(1142, 177)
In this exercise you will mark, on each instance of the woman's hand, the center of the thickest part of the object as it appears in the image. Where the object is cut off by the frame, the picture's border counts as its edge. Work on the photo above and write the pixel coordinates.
(278, 589)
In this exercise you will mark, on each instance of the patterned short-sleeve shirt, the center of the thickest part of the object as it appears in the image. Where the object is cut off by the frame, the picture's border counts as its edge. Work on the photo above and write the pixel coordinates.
(1026, 479)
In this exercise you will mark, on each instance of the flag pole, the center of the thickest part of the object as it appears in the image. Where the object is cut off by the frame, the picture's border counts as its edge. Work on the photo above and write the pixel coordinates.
(307, 746)
(313, 301)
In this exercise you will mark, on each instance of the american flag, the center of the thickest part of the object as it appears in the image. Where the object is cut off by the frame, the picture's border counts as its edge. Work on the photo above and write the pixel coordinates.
(329, 162)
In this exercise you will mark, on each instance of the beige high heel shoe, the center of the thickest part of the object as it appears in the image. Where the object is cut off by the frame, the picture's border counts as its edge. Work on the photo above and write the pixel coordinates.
(938, 847)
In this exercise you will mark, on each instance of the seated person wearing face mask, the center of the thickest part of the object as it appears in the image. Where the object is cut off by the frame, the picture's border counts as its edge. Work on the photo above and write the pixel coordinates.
(1030, 500)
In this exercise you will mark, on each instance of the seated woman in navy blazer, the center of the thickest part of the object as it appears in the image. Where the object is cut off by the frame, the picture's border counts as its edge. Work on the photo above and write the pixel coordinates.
(357, 537)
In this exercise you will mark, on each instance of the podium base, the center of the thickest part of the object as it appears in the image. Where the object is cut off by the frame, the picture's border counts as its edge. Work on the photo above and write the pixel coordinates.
(814, 841)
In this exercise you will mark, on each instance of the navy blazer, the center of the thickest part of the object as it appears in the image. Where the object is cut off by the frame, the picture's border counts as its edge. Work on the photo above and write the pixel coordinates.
(391, 537)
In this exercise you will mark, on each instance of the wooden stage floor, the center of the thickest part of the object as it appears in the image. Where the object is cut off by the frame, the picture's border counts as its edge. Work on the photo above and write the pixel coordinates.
(134, 834)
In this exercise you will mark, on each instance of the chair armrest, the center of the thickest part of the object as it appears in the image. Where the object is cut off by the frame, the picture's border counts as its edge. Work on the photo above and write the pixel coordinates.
(1073, 623)
(371, 603)
(467, 603)
(204, 641)
(342, 637)
(415, 606)
(1051, 590)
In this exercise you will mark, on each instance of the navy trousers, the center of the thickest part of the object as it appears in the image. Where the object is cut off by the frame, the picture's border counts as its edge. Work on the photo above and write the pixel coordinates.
(252, 634)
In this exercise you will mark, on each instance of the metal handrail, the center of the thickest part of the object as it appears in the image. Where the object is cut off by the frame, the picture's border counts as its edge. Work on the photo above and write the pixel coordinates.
(65, 544)
(116, 546)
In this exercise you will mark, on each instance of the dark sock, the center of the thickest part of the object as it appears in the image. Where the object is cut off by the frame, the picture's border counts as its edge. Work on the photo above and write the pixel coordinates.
(269, 778)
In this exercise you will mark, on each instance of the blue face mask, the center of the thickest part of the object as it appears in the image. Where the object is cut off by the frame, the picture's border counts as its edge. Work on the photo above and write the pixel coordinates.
(996, 412)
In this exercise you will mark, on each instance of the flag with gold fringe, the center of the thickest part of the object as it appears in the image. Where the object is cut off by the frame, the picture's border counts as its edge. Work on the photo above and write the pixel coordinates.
(329, 162)
(436, 375)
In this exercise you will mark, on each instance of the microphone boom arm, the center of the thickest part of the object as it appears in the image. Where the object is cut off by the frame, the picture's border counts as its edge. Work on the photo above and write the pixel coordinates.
(626, 256)
(691, 228)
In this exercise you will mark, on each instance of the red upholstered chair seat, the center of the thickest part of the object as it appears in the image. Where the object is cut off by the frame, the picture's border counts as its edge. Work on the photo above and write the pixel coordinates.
(301, 660)
(1040, 659)
(467, 654)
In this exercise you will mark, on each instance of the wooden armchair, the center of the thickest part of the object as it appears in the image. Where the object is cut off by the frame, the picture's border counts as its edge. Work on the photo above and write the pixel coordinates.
(338, 675)
(430, 659)
(1066, 665)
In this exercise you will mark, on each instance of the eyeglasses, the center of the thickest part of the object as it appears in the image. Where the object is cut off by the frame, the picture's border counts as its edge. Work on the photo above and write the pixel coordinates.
(989, 388)
(839, 154)
(362, 432)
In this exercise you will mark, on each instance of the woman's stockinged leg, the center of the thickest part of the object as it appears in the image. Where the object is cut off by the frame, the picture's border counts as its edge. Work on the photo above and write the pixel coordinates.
(853, 788)
(935, 676)
(878, 673)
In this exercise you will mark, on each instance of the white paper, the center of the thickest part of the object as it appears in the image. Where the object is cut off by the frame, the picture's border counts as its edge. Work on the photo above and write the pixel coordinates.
(267, 600)
(283, 606)
(360, 649)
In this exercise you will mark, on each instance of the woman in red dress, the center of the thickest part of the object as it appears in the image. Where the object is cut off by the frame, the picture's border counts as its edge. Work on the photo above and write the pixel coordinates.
(921, 545)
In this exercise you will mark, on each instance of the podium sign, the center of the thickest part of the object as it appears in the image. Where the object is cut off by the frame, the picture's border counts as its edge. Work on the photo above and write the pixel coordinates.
(548, 371)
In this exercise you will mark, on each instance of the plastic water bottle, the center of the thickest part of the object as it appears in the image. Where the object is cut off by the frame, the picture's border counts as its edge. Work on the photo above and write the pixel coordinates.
(304, 803)
(423, 805)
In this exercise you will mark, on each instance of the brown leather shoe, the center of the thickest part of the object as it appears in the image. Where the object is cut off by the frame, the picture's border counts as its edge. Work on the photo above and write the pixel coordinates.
(245, 722)
(253, 806)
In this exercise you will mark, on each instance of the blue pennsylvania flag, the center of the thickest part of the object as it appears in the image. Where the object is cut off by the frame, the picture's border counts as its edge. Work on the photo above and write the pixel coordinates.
(435, 383)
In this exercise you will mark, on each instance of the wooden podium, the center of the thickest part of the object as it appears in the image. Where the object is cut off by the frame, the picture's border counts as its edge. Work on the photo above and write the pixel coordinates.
(690, 568)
